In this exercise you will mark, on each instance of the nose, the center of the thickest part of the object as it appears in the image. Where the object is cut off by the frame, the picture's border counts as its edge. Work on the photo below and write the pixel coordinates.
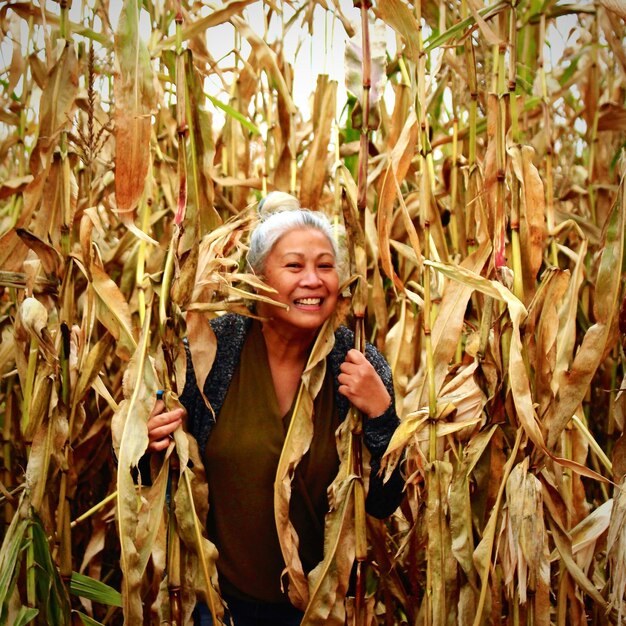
(310, 277)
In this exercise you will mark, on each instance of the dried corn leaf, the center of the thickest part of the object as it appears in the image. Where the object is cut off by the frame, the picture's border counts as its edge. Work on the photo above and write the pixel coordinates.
(547, 337)
(57, 101)
(18, 65)
(532, 213)
(616, 6)
(195, 27)
(398, 162)
(113, 311)
(58, 202)
(398, 15)
(297, 442)
(328, 582)
(200, 214)
(266, 57)
(396, 340)
(191, 528)
(490, 37)
(134, 97)
(130, 439)
(517, 371)
(464, 396)
(442, 564)
(459, 502)
(14, 185)
(564, 547)
(49, 256)
(353, 62)
(48, 445)
(315, 166)
(483, 552)
(566, 337)
(616, 549)
(590, 529)
(612, 117)
(448, 325)
(12, 250)
(91, 368)
(520, 385)
(574, 382)
(525, 538)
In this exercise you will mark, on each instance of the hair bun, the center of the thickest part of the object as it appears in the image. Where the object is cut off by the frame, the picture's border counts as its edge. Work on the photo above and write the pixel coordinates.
(275, 202)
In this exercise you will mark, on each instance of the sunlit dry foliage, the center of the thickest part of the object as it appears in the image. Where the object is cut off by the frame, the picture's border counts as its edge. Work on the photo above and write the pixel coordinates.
(474, 158)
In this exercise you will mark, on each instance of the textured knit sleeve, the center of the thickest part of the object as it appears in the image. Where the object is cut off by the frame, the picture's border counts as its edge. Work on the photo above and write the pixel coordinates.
(383, 498)
(198, 414)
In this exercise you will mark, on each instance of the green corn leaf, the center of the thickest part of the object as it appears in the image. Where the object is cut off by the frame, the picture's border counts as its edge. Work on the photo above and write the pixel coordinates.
(96, 590)
(52, 597)
(9, 560)
(87, 621)
(460, 27)
(244, 121)
(25, 615)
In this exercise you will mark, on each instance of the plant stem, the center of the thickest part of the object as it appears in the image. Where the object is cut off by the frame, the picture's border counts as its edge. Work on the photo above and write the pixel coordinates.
(550, 219)
(94, 509)
(31, 581)
(29, 384)
(593, 444)
(144, 214)
(7, 461)
(173, 553)
(359, 306)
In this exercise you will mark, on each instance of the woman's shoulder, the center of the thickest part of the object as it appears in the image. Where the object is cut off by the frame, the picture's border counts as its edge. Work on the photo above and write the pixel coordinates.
(229, 323)
(228, 328)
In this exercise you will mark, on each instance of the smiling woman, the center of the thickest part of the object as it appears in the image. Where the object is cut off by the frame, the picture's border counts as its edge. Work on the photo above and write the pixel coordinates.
(252, 388)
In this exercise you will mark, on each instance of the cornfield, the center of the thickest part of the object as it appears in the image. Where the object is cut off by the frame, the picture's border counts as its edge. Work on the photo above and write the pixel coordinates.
(476, 165)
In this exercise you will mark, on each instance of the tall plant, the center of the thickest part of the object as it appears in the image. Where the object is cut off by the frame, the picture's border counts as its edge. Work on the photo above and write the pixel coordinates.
(485, 206)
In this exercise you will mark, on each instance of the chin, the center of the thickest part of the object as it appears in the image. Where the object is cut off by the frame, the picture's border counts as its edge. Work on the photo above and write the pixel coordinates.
(310, 323)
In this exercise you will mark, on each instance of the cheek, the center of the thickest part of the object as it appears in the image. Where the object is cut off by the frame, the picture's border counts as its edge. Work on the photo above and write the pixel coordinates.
(333, 285)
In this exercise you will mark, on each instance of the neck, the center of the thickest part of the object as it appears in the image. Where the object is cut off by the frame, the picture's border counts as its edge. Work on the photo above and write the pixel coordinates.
(284, 345)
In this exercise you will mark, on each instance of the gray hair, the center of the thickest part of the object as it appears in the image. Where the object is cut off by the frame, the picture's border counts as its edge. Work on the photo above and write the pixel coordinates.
(285, 216)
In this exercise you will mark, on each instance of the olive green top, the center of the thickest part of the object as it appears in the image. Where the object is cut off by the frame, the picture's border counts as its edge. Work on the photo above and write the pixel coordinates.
(241, 458)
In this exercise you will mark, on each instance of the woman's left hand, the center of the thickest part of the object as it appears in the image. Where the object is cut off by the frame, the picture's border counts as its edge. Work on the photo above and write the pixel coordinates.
(361, 384)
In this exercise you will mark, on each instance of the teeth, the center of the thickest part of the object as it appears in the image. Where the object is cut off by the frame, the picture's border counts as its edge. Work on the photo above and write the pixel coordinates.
(309, 301)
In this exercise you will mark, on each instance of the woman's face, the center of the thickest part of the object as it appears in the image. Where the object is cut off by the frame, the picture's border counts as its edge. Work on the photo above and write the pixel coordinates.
(301, 267)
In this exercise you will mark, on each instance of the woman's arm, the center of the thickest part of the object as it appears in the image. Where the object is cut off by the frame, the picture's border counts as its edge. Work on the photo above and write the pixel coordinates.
(367, 382)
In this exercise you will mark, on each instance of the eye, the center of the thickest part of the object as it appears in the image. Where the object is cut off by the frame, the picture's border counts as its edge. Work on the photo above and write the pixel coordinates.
(293, 265)
(326, 266)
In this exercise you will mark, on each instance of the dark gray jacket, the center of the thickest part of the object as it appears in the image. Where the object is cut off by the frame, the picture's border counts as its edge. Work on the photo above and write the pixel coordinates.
(230, 331)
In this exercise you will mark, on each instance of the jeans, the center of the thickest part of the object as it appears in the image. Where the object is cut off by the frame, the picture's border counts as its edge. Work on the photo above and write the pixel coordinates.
(242, 613)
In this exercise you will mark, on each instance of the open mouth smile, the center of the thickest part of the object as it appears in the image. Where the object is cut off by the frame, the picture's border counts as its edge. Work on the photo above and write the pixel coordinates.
(308, 301)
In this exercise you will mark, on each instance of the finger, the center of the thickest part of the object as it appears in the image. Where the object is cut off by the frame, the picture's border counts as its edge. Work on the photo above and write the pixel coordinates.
(165, 418)
(161, 444)
(346, 367)
(343, 378)
(355, 356)
(344, 390)
(166, 430)
(164, 424)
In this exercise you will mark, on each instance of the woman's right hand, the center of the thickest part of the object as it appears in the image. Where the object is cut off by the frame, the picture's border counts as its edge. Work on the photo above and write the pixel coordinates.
(161, 425)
